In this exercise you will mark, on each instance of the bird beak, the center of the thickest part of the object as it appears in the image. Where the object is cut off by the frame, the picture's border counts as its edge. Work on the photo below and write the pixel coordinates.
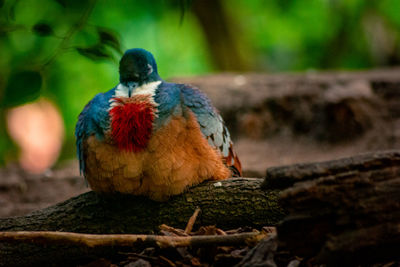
(131, 87)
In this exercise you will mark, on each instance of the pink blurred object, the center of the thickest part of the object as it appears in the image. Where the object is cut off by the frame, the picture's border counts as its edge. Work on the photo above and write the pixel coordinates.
(38, 130)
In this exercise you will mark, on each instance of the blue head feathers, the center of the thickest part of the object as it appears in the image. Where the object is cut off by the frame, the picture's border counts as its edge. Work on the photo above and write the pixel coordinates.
(138, 66)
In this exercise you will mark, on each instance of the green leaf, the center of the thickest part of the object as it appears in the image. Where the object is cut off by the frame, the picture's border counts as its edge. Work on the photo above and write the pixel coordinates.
(95, 52)
(110, 38)
(43, 29)
(22, 87)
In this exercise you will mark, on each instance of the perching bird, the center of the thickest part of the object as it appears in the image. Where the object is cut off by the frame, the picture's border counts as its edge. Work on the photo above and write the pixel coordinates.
(149, 137)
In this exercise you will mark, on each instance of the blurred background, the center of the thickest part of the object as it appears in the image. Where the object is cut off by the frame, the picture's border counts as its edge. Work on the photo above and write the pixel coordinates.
(57, 54)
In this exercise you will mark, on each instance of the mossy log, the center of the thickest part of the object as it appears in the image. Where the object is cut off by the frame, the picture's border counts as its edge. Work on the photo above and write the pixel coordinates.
(228, 204)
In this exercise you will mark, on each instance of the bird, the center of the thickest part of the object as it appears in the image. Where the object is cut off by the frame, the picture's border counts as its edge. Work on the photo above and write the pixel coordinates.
(150, 137)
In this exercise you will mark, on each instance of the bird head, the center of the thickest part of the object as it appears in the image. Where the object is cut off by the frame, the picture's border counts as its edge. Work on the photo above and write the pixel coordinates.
(137, 67)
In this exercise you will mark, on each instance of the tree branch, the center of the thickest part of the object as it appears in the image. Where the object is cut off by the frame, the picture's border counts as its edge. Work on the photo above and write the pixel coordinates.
(93, 241)
(228, 204)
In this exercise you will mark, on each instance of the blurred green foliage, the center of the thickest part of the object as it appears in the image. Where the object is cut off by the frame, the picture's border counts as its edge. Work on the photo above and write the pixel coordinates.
(68, 50)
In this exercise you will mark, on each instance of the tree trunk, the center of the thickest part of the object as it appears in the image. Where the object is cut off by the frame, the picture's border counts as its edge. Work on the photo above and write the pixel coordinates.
(227, 49)
(228, 204)
(344, 212)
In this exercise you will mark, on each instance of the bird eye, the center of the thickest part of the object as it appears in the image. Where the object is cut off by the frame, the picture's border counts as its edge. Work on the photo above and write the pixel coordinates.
(150, 69)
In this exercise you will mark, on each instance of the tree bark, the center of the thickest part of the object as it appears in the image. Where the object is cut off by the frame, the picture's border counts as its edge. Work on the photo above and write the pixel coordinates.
(344, 212)
(228, 204)
(286, 176)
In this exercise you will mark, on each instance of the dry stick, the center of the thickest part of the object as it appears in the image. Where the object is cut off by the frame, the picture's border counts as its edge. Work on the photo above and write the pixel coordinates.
(191, 221)
(167, 261)
(92, 240)
(220, 232)
(172, 230)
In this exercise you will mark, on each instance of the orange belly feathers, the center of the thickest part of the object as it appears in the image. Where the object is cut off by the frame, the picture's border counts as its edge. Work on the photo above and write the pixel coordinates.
(177, 156)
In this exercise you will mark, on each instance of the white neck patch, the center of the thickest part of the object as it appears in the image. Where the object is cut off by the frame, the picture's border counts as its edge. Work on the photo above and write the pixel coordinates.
(145, 89)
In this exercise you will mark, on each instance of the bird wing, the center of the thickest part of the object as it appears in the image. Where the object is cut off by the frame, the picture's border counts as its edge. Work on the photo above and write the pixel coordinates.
(93, 120)
(211, 125)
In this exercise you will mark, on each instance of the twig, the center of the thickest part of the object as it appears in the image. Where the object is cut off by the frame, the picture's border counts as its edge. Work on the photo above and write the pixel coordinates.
(178, 232)
(191, 221)
(220, 232)
(92, 240)
(167, 261)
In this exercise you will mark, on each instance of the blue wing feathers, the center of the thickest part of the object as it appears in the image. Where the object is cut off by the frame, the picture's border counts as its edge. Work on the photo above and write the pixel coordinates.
(79, 134)
(211, 124)
(167, 97)
(175, 98)
(93, 120)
